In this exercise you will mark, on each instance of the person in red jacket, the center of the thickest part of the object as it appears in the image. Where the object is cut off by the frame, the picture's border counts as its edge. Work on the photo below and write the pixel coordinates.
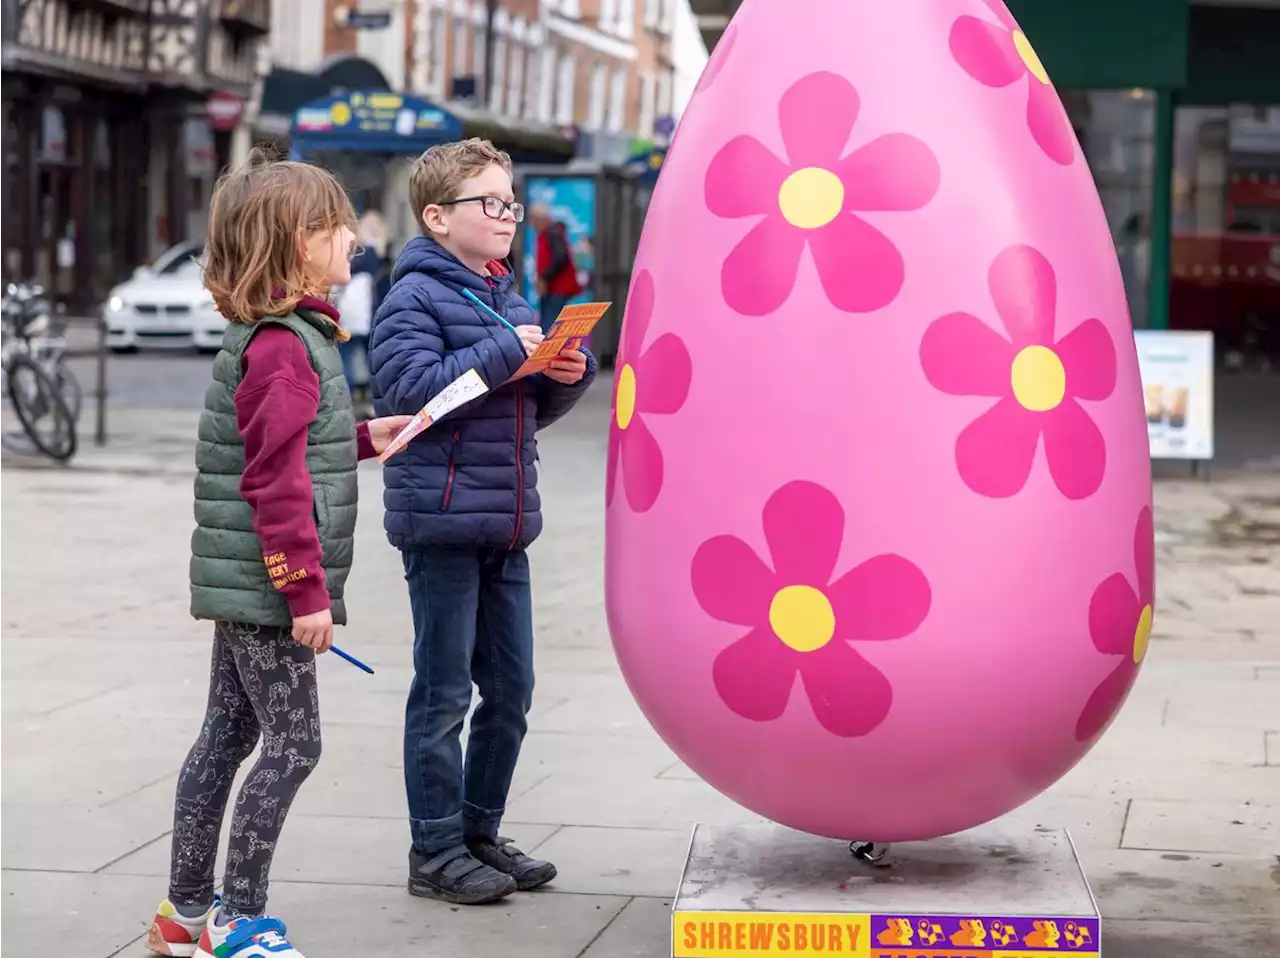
(557, 274)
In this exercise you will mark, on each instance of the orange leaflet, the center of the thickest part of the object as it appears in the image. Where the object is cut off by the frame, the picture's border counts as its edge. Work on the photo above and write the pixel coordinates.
(572, 326)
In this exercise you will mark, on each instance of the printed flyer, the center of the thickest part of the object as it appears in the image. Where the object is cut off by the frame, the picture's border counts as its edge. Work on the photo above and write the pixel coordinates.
(567, 333)
(462, 390)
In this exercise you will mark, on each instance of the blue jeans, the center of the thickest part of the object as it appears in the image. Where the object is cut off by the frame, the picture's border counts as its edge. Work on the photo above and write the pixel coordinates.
(472, 622)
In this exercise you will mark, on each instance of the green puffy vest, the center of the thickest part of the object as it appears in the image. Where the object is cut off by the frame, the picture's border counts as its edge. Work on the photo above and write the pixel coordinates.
(229, 578)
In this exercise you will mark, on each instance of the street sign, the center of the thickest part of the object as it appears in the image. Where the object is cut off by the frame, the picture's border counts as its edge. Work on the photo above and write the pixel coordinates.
(367, 19)
(224, 110)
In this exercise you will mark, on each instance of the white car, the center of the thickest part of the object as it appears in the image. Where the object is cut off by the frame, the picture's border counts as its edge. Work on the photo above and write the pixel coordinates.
(165, 306)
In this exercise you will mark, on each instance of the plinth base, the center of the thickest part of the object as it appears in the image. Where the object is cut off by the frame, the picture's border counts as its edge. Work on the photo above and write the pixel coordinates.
(761, 891)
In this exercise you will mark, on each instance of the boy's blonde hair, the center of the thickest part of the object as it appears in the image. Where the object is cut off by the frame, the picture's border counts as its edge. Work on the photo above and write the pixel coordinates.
(260, 215)
(439, 172)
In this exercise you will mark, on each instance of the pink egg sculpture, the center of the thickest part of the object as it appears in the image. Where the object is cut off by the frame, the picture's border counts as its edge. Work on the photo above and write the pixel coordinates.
(879, 538)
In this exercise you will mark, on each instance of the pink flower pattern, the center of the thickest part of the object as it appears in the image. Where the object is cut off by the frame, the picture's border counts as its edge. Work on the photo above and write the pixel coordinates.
(802, 622)
(999, 54)
(1120, 626)
(653, 381)
(1039, 383)
(810, 200)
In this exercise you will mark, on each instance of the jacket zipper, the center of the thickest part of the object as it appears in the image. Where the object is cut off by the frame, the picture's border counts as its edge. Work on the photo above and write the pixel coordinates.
(519, 465)
(448, 484)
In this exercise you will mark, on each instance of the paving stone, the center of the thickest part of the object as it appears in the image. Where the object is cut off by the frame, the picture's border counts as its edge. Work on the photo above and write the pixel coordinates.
(641, 930)
(618, 861)
(1204, 826)
(1123, 938)
(1184, 887)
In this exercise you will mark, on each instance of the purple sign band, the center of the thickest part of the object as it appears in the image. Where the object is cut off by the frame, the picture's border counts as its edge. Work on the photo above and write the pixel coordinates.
(984, 933)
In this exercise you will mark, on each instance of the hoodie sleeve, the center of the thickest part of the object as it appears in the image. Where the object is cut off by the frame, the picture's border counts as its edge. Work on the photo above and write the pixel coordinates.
(555, 399)
(409, 361)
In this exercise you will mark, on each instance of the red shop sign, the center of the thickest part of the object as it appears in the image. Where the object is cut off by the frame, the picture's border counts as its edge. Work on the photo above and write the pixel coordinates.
(224, 110)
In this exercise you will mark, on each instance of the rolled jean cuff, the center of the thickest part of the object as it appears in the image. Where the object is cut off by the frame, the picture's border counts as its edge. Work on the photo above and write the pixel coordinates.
(482, 822)
(435, 835)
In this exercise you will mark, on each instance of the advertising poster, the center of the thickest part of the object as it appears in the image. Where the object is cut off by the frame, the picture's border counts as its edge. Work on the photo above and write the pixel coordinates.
(1177, 387)
(572, 201)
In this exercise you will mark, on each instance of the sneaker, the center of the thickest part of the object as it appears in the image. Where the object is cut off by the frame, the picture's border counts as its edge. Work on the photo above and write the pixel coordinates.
(246, 938)
(173, 934)
(506, 858)
(455, 875)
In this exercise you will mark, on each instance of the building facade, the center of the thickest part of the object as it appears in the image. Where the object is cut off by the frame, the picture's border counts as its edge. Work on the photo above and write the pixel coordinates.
(117, 115)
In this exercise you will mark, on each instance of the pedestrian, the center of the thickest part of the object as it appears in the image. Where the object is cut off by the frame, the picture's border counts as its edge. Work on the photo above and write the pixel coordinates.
(359, 299)
(275, 509)
(553, 260)
(462, 506)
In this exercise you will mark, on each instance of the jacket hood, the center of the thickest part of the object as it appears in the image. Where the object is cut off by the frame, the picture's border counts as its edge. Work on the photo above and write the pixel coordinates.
(423, 255)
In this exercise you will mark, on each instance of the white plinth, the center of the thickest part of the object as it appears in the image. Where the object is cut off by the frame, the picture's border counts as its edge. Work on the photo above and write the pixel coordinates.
(761, 891)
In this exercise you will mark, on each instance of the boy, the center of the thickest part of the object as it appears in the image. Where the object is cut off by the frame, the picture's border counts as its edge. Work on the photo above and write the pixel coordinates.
(461, 506)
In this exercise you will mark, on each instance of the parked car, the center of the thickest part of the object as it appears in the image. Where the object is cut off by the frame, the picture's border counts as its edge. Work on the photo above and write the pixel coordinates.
(164, 306)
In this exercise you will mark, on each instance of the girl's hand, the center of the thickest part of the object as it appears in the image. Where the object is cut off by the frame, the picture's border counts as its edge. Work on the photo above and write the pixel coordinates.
(315, 631)
(382, 431)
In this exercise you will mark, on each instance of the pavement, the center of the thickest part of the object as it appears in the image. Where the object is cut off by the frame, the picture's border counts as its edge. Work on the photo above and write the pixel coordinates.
(1176, 812)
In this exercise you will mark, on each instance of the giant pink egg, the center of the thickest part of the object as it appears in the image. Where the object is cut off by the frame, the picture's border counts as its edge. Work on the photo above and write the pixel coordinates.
(879, 551)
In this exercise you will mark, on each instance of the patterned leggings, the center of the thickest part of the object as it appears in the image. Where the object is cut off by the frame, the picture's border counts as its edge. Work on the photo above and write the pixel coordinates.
(261, 683)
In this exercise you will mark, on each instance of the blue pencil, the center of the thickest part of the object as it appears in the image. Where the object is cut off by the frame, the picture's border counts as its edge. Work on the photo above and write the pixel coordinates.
(492, 312)
(351, 658)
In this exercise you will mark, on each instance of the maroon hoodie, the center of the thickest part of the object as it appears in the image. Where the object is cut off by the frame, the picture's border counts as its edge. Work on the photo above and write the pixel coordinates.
(276, 402)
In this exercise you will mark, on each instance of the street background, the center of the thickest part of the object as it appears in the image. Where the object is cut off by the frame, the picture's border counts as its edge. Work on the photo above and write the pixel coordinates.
(1176, 812)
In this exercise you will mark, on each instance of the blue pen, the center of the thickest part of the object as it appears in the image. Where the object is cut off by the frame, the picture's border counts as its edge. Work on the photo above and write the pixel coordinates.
(492, 312)
(351, 658)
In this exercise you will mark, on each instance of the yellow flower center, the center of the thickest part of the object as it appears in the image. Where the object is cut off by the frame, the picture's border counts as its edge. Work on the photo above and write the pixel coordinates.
(1142, 634)
(1029, 56)
(1039, 379)
(802, 617)
(811, 197)
(625, 402)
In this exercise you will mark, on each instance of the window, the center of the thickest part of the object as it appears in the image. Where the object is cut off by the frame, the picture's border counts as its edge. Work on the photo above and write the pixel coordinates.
(547, 84)
(595, 105)
(477, 61)
(531, 101)
(564, 92)
(626, 18)
(652, 13)
(618, 101)
(648, 102)
(461, 63)
(607, 19)
(437, 51)
(663, 106)
(515, 78)
(494, 90)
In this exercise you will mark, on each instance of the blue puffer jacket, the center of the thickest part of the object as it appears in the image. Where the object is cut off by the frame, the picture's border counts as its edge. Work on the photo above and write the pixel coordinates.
(470, 479)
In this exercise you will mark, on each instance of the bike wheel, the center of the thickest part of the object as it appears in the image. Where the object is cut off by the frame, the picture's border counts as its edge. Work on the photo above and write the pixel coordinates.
(41, 409)
(68, 388)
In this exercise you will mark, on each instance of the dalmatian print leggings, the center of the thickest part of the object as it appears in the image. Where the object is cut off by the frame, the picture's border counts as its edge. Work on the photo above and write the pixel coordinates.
(262, 685)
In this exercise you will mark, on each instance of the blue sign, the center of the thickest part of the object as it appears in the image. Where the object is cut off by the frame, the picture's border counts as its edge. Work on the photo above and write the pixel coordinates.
(571, 200)
(665, 125)
(372, 122)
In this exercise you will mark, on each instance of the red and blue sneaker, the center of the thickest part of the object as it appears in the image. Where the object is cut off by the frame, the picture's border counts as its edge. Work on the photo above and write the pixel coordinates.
(175, 935)
(246, 938)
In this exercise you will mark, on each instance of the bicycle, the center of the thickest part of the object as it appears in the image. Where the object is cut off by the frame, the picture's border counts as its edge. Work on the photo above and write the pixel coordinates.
(37, 335)
(43, 392)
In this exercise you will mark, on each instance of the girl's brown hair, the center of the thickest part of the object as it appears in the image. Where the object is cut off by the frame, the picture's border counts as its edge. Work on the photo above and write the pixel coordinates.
(260, 215)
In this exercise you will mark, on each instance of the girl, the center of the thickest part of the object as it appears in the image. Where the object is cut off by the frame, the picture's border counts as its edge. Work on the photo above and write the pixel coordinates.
(275, 509)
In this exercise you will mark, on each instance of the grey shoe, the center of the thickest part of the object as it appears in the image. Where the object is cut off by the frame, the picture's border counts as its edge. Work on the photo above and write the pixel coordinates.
(455, 875)
(506, 858)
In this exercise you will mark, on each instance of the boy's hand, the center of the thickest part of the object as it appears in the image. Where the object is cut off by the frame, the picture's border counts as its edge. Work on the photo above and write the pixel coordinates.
(315, 631)
(568, 368)
(531, 336)
(382, 431)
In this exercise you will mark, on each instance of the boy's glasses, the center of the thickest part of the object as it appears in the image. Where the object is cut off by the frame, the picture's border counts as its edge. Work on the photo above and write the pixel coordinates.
(492, 206)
